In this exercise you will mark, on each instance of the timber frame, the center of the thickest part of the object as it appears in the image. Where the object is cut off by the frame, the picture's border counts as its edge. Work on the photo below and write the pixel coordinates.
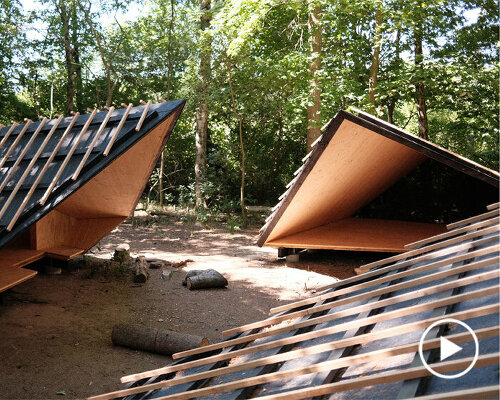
(66, 183)
(357, 159)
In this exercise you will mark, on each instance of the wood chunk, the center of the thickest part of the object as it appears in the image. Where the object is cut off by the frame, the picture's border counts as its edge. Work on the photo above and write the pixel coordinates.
(191, 273)
(161, 341)
(141, 273)
(209, 278)
(122, 253)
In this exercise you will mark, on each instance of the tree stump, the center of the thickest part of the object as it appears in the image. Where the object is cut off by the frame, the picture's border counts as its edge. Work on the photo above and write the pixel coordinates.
(209, 278)
(161, 341)
(122, 253)
(141, 273)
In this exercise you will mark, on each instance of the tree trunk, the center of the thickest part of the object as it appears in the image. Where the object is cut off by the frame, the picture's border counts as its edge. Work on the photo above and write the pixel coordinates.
(68, 52)
(202, 112)
(423, 126)
(315, 48)
(77, 67)
(375, 56)
(392, 102)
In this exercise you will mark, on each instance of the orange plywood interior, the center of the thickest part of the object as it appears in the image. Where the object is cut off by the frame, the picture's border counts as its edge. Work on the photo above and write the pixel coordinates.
(356, 166)
(359, 234)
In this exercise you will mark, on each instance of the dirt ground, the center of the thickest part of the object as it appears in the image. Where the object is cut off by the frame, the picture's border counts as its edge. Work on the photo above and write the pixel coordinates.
(56, 329)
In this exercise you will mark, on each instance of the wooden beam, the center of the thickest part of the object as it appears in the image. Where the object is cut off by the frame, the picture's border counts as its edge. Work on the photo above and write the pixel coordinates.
(90, 148)
(453, 232)
(376, 292)
(381, 378)
(4, 139)
(351, 341)
(327, 365)
(467, 221)
(478, 393)
(21, 156)
(493, 206)
(117, 130)
(350, 289)
(426, 249)
(14, 144)
(421, 293)
(143, 116)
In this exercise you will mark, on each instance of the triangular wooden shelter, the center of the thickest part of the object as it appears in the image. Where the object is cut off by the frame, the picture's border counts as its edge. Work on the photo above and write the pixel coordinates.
(370, 186)
(65, 183)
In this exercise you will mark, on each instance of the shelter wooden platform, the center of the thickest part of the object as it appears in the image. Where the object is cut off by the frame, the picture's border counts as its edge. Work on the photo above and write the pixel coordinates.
(66, 183)
(359, 234)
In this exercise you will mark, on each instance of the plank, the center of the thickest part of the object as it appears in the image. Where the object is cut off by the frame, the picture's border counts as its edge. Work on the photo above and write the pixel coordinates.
(347, 312)
(380, 378)
(454, 232)
(64, 252)
(143, 116)
(11, 129)
(319, 367)
(389, 332)
(12, 276)
(376, 292)
(350, 289)
(479, 393)
(19, 257)
(359, 234)
(16, 141)
(467, 221)
(426, 249)
(117, 130)
(492, 206)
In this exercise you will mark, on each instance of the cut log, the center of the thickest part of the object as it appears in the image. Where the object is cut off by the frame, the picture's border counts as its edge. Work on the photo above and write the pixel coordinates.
(122, 253)
(161, 341)
(209, 278)
(141, 273)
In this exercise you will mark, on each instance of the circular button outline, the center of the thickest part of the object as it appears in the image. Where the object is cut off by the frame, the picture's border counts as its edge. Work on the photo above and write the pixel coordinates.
(446, 321)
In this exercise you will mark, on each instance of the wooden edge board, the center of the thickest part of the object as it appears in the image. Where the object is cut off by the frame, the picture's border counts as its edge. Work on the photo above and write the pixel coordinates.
(350, 289)
(492, 206)
(322, 366)
(20, 275)
(478, 393)
(347, 312)
(380, 378)
(426, 249)
(383, 270)
(453, 232)
(467, 221)
(367, 295)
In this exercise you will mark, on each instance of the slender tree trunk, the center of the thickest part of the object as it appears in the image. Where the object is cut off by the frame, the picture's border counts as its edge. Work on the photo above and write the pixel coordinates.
(68, 52)
(169, 96)
(202, 112)
(77, 67)
(315, 49)
(375, 56)
(392, 102)
(423, 126)
(242, 147)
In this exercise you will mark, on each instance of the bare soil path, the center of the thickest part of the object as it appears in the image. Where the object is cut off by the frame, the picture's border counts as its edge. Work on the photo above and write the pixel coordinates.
(56, 329)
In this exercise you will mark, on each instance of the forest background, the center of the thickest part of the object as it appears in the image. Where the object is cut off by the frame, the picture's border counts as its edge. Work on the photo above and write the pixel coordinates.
(261, 77)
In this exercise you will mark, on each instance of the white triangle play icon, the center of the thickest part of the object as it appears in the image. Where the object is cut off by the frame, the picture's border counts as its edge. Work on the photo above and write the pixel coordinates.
(448, 348)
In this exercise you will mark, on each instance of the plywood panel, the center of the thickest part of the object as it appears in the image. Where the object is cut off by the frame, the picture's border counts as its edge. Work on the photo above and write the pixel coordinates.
(359, 234)
(12, 276)
(353, 169)
(19, 257)
(115, 190)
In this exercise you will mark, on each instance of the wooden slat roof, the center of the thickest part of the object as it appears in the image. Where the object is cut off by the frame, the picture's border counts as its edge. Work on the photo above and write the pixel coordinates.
(358, 338)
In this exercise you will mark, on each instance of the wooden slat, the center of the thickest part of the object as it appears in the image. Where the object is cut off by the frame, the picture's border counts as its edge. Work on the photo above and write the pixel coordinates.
(305, 336)
(37, 181)
(421, 293)
(478, 393)
(350, 289)
(381, 378)
(426, 249)
(453, 232)
(92, 144)
(366, 295)
(12, 276)
(117, 131)
(467, 221)
(493, 206)
(326, 365)
(20, 157)
(63, 252)
(143, 116)
(11, 129)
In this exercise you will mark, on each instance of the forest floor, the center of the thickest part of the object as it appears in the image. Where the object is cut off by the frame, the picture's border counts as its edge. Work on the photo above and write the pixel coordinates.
(56, 329)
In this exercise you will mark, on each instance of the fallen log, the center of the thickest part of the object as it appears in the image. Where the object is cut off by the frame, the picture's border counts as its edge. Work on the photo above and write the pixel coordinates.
(209, 278)
(190, 274)
(161, 341)
(141, 273)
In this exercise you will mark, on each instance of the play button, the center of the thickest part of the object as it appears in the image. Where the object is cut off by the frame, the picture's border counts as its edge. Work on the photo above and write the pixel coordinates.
(447, 348)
